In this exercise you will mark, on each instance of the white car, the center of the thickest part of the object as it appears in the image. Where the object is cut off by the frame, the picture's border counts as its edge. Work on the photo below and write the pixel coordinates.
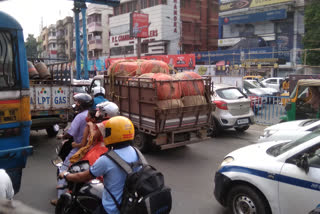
(233, 110)
(277, 177)
(273, 82)
(268, 91)
(289, 130)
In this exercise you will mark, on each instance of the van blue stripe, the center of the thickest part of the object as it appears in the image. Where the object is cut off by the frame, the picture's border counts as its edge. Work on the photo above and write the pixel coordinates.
(272, 176)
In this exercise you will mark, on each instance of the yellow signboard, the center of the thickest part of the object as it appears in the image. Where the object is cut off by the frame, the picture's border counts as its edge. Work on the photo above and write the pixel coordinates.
(260, 3)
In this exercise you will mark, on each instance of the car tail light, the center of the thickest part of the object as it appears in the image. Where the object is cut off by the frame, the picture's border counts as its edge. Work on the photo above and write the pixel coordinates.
(221, 105)
(9, 132)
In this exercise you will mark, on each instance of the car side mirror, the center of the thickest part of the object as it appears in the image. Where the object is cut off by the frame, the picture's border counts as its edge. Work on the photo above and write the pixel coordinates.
(303, 163)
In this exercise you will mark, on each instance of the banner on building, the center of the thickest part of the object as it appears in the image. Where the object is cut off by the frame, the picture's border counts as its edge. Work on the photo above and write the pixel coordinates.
(255, 17)
(139, 25)
(241, 4)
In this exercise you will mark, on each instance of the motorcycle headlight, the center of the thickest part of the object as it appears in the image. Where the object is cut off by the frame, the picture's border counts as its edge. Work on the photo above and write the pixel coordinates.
(226, 160)
(95, 181)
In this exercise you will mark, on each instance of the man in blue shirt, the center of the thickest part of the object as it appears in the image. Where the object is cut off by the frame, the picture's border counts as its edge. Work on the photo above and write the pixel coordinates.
(99, 94)
(119, 135)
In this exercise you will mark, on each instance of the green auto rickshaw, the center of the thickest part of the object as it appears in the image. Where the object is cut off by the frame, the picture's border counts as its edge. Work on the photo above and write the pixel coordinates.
(304, 101)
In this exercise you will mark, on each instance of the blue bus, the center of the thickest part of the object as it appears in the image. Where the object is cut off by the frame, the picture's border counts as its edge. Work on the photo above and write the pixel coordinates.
(15, 116)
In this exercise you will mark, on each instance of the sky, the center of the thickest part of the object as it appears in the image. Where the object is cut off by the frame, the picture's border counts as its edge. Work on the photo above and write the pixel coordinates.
(30, 12)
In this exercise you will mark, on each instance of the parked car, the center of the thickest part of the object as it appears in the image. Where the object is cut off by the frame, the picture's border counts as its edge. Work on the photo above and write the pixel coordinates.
(273, 82)
(289, 130)
(272, 177)
(269, 91)
(233, 110)
(258, 78)
(251, 89)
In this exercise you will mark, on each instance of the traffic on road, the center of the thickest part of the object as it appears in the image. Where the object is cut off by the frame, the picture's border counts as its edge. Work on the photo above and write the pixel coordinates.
(153, 132)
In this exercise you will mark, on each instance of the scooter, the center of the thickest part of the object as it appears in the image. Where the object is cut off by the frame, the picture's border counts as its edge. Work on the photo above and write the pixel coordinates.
(80, 197)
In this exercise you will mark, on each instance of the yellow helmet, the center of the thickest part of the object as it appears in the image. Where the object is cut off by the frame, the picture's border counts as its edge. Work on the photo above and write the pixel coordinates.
(118, 129)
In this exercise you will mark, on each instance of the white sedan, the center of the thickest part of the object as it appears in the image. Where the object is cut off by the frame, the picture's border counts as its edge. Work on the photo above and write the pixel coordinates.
(277, 177)
(289, 130)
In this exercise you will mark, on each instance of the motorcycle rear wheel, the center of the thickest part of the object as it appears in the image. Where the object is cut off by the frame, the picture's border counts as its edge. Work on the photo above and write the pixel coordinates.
(65, 207)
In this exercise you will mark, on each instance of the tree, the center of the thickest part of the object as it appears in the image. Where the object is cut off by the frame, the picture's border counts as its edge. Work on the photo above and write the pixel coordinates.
(311, 39)
(31, 46)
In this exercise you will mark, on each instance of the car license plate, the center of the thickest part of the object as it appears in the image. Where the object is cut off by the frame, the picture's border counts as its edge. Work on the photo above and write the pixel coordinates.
(243, 121)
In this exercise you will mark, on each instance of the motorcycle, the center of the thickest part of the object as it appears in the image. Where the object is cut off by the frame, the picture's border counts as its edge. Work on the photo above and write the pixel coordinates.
(80, 197)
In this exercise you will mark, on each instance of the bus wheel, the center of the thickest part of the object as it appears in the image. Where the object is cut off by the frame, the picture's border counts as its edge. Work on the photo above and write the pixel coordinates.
(140, 141)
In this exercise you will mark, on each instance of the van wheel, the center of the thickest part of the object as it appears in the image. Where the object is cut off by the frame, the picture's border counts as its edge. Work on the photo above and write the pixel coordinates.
(214, 130)
(244, 199)
(51, 132)
(241, 129)
(140, 141)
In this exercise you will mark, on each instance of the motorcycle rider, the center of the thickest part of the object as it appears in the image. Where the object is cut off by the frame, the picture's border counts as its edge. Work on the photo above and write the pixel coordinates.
(83, 103)
(99, 94)
(95, 131)
(119, 133)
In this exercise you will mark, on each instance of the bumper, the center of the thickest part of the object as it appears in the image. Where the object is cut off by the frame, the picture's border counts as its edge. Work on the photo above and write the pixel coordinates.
(226, 120)
(222, 184)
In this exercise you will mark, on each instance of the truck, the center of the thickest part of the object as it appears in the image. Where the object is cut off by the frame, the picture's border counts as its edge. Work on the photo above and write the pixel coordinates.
(157, 128)
(51, 99)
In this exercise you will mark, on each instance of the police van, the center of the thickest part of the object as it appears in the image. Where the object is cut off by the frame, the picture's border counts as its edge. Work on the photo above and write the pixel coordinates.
(272, 177)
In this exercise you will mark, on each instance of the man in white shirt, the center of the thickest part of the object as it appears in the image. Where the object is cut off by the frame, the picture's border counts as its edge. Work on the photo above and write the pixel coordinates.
(6, 189)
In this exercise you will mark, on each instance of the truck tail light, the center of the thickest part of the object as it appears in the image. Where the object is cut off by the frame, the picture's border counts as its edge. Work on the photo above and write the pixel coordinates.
(25, 109)
(221, 105)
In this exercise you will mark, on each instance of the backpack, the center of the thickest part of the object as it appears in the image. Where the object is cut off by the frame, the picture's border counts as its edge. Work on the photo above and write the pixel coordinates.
(144, 191)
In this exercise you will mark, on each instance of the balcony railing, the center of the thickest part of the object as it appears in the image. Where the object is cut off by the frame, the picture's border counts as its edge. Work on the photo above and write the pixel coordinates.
(95, 44)
(94, 27)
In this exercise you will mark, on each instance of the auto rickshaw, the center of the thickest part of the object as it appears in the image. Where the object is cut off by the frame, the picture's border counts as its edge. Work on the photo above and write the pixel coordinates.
(304, 101)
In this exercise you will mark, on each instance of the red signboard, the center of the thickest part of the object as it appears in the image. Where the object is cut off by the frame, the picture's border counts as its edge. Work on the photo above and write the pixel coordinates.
(181, 61)
(139, 24)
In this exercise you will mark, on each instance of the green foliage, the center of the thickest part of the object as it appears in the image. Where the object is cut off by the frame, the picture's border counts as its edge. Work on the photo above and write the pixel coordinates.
(311, 39)
(31, 46)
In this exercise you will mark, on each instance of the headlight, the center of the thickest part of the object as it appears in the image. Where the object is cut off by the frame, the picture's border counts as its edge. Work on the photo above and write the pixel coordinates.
(226, 160)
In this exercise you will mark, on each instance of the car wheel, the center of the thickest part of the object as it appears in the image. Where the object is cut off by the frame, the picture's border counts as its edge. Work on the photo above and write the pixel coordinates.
(241, 129)
(244, 199)
(214, 130)
(140, 141)
(51, 132)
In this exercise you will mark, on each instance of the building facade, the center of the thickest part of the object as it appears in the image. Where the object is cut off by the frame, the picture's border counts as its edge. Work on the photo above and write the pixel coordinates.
(64, 30)
(175, 27)
(52, 41)
(277, 24)
(43, 43)
(56, 40)
(98, 30)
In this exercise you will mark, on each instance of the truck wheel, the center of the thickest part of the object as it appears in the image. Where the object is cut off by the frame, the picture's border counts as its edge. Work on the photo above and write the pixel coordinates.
(214, 130)
(244, 199)
(140, 141)
(241, 129)
(51, 132)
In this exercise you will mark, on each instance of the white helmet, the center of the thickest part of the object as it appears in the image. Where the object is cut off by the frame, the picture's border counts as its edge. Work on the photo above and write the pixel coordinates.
(107, 109)
(98, 90)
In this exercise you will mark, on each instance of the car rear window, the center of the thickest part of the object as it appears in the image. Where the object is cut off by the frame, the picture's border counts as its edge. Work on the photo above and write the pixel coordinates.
(230, 93)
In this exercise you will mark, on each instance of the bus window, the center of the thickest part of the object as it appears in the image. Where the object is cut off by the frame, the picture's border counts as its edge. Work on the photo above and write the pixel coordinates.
(7, 69)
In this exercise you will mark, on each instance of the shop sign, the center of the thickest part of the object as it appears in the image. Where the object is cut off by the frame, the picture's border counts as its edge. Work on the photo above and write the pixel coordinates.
(241, 4)
(175, 16)
(255, 17)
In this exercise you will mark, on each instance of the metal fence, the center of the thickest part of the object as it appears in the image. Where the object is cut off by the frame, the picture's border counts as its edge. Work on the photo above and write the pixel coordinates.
(268, 109)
